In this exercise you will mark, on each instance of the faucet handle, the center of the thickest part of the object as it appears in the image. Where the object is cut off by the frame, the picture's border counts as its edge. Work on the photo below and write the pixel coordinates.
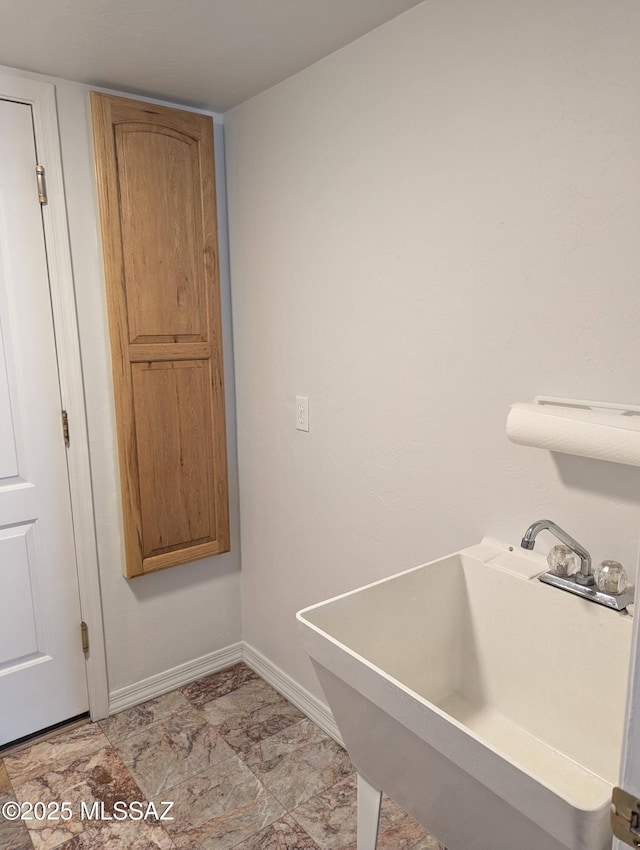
(563, 561)
(610, 577)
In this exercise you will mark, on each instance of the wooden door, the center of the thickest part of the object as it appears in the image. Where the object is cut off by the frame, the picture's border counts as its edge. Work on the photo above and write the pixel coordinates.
(42, 666)
(156, 187)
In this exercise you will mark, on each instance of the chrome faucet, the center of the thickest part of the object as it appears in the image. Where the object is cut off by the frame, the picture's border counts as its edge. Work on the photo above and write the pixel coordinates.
(583, 582)
(585, 576)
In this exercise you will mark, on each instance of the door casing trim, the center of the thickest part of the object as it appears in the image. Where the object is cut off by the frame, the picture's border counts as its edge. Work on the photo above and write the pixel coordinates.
(42, 99)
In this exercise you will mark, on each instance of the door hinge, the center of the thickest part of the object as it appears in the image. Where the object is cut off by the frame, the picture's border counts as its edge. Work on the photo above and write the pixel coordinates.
(65, 426)
(625, 817)
(85, 637)
(42, 184)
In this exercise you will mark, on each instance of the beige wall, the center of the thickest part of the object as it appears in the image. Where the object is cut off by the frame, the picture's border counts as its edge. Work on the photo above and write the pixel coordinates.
(426, 226)
(157, 622)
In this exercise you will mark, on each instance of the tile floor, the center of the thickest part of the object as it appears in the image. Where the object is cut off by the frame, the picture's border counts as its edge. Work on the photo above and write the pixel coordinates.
(244, 767)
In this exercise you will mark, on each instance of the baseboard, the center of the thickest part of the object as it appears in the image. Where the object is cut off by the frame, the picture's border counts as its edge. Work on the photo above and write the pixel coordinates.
(213, 662)
(174, 678)
(308, 704)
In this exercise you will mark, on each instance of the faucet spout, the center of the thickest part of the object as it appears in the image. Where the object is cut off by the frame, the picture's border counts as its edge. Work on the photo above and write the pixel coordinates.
(585, 576)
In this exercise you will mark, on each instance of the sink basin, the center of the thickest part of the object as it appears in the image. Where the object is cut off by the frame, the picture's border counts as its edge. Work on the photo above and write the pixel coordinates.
(489, 705)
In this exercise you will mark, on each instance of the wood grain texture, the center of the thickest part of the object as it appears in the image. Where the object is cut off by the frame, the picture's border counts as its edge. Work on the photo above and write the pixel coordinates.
(160, 209)
(173, 423)
(156, 188)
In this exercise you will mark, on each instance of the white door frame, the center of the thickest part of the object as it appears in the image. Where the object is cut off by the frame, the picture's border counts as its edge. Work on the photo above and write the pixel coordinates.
(41, 97)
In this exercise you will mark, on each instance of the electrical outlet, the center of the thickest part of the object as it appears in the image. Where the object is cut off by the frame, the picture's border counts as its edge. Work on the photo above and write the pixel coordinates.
(302, 413)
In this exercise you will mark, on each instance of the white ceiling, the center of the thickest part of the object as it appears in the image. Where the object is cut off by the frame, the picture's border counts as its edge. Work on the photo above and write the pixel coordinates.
(211, 54)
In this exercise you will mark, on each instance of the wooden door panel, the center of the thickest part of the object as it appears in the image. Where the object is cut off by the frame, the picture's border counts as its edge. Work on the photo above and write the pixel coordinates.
(173, 421)
(164, 274)
(156, 187)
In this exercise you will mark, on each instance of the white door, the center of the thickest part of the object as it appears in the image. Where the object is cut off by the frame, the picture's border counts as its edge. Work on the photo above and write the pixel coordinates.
(42, 669)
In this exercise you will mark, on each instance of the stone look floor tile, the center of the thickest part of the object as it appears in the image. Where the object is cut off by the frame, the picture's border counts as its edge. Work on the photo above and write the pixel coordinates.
(218, 684)
(398, 831)
(221, 807)
(284, 834)
(132, 720)
(55, 752)
(5, 784)
(172, 750)
(100, 777)
(330, 817)
(245, 768)
(251, 713)
(13, 834)
(428, 843)
(404, 836)
(298, 763)
(124, 835)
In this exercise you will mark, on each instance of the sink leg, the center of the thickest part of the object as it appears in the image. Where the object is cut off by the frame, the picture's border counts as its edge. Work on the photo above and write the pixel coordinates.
(369, 798)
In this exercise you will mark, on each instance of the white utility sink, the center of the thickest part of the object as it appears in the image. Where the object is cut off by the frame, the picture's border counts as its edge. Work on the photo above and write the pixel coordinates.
(489, 705)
